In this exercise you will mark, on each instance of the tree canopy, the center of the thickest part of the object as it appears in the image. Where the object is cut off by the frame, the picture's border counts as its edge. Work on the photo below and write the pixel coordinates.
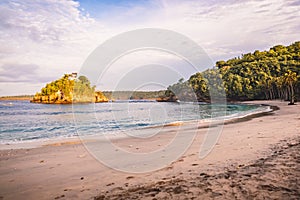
(68, 90)
(268, 74)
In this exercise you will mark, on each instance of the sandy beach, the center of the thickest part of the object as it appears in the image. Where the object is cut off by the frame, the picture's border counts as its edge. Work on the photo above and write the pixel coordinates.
(255, 158)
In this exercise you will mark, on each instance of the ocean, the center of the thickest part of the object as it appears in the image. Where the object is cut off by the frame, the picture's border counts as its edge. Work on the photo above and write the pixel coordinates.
(21, 121)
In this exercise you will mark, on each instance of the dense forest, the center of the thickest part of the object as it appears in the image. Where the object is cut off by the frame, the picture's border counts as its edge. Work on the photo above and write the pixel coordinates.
(272, 74)
(69, 89)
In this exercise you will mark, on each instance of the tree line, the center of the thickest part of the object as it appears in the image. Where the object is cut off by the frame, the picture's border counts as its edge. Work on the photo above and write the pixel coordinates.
(272, 74)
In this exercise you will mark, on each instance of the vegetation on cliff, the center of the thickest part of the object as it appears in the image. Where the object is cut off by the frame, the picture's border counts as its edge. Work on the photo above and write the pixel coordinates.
(68, 89)
(273, 74)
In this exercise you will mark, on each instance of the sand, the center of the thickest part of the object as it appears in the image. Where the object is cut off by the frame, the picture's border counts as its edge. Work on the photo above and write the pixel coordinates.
(253, 159)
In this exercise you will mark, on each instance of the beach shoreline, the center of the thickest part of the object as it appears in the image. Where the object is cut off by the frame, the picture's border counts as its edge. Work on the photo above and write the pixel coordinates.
(66, 169)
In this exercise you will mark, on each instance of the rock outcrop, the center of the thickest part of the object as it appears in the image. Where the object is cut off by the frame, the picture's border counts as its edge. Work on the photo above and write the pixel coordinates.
(67, 90)
(60, 99)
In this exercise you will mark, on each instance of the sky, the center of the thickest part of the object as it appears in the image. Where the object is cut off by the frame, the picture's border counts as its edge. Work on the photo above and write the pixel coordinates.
(43, 39)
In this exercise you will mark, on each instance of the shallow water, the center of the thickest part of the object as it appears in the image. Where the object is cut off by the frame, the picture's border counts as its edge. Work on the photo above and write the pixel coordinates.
(24, 121)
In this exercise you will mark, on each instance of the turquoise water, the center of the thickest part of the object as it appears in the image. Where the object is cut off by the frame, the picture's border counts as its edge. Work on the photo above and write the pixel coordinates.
(24, 121)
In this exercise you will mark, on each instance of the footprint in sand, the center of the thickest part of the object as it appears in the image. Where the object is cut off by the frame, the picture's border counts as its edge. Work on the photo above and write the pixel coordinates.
(110, 184)
(129, 177)
(204, 175)
(61, 196)
(169, 167)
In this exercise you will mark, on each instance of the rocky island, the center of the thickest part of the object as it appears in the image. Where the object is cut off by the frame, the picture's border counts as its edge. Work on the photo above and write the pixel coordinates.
(69, 89)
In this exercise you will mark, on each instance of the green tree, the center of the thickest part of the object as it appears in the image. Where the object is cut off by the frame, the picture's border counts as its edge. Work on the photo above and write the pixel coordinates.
(290, 79)
(83, 92)
(66, 90)
(260, 75)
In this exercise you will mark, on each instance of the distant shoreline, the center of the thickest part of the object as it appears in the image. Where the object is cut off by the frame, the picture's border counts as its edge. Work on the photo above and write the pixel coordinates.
(16, 98)
(29, 97)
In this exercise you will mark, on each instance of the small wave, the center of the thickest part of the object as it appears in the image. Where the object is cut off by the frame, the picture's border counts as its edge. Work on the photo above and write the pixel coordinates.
(56, 128)
(7, 104)
(12, 130)
(176, 123)
(33, 130)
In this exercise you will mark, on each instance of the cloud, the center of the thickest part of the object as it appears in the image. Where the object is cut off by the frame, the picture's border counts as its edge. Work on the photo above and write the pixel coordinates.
(43, 39)
(17, 70)
(241, 25)
(25, 73)
(33, 27)
(293, 3)
(41, 20)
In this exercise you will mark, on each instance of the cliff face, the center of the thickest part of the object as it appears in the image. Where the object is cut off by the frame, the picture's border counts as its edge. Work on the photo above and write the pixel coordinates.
(69, 90)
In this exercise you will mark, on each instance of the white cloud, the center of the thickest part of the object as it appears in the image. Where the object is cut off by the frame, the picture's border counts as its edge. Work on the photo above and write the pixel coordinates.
(41, 33)
(42, 20)
(229, 28)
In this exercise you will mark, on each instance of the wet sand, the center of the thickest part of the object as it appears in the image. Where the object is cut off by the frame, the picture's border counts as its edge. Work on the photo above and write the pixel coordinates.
(253, 159)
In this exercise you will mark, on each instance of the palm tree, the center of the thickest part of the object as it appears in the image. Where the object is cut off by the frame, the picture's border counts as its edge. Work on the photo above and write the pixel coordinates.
(279, 81)
(290, 78)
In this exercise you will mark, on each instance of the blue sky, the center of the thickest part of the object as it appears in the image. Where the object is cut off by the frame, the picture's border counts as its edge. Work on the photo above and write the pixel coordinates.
(43, 39)
(100, 9)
